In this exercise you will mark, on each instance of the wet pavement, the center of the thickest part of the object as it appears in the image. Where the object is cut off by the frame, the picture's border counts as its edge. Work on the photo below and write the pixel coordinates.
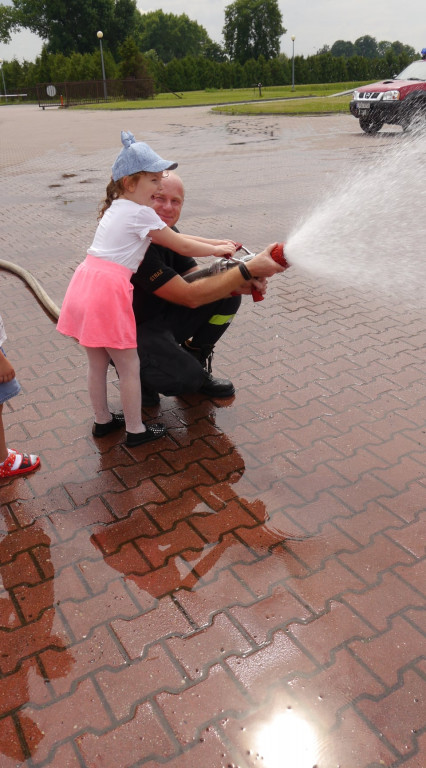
(249, 591)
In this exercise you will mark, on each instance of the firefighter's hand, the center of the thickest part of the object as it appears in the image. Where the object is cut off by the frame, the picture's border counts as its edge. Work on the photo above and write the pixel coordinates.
(263, 265)
(260, 284)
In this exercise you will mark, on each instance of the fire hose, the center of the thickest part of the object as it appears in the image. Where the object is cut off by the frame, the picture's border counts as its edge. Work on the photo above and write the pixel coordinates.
(34, 286)
(221, 265)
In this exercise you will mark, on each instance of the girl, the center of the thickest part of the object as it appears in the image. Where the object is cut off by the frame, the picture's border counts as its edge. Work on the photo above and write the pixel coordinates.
(97, 308)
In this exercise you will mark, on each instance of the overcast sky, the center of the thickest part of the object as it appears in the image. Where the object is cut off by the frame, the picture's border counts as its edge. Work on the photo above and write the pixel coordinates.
(314, 23)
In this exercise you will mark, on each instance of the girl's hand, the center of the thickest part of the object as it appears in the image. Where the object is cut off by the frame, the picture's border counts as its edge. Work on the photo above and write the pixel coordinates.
(222, 242)
(226, 249)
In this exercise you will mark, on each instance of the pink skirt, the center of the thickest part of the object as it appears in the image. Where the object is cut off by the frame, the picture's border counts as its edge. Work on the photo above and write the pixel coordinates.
(97, 308)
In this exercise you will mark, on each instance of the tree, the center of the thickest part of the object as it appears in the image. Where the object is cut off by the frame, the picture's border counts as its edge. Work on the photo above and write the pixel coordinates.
(342, 48)
(174, 76)
(280, 70)
(399, 49)
(156, 69)
(214, 51)
(82, 66)
(383, 47)
(124, 24)
(252, 28)
(171, 36)
(132, 61)
(358, 68)
(69, 26)
(366, 47)
(9, 22)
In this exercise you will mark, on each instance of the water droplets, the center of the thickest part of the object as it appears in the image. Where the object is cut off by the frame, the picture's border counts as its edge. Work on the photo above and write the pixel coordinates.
(370, 230)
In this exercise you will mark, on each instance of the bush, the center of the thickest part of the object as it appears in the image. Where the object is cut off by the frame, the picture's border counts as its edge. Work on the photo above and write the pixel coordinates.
(193, 73)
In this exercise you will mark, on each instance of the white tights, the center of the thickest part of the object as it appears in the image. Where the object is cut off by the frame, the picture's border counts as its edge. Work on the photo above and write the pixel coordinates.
(127, 365)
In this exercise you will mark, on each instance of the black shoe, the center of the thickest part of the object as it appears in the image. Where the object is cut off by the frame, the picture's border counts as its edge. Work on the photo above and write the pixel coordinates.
(149, 398)
(217, 387)
(100, 430)
(153, 432)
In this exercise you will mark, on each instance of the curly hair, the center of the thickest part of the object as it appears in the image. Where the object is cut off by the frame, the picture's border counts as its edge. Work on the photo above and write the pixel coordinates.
(116, 189)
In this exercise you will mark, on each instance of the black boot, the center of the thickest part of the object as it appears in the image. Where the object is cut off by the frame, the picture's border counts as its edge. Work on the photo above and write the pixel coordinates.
(217, 387)
(211, 387)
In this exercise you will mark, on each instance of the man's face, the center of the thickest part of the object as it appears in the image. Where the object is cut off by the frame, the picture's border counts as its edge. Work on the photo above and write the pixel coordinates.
(168, 201)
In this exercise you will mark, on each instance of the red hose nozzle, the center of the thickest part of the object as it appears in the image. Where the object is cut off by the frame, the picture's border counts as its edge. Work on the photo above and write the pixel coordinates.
(277, 254)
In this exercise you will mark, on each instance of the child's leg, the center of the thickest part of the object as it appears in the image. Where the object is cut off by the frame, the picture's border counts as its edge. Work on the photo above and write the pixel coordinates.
(3, 447)
(98, 359)
(127, 364)
(12, 462)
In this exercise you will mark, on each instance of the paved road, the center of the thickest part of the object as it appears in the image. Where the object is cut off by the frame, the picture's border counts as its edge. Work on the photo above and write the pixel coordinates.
(249, 590)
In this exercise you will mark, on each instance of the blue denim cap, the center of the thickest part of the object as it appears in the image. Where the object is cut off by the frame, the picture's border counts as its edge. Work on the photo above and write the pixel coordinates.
(137, 156)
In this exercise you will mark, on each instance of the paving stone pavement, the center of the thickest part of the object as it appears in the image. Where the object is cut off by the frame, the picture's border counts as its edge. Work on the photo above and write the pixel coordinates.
(249, 591)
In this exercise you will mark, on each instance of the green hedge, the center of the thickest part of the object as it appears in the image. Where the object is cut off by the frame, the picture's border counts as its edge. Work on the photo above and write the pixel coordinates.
(194, 73)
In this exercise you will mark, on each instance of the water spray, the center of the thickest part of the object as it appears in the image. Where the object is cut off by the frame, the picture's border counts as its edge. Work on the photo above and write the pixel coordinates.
(221, 265)
(368, 231)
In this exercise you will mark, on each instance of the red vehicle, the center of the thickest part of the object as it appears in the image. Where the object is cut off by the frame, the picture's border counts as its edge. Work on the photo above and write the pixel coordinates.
(400, 101)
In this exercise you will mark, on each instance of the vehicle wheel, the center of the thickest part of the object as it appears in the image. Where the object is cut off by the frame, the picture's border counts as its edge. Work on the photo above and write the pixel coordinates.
(370, 124)
(414, 114)
(418, 121)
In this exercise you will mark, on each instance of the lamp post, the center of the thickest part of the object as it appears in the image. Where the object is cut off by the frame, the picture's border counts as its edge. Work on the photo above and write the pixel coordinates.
(293, 37)
(100, 36)
(4, 84)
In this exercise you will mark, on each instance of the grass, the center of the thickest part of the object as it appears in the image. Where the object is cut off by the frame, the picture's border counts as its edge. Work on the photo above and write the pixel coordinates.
(305, 106)
(305, 99)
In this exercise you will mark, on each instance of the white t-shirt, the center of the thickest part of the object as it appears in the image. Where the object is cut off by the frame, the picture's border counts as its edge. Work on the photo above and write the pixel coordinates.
(122, 233)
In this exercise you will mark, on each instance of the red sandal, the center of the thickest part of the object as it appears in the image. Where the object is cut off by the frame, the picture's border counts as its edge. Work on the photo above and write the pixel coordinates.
(28, 463)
